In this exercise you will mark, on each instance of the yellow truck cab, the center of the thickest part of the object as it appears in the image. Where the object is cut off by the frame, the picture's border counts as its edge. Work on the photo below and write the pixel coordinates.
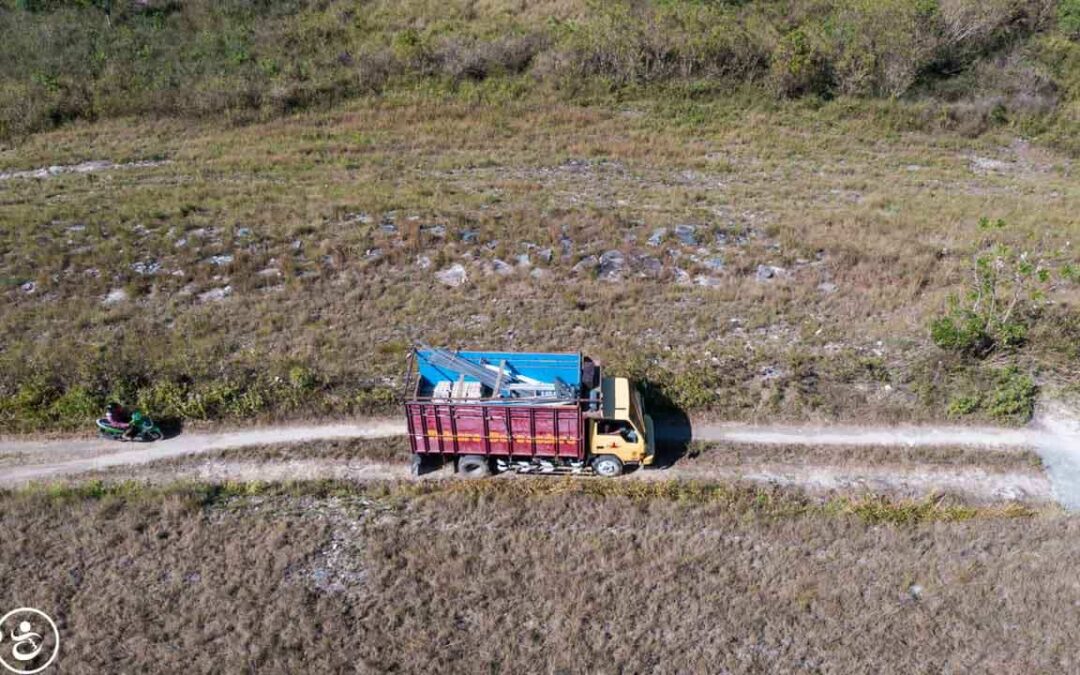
(624, 434)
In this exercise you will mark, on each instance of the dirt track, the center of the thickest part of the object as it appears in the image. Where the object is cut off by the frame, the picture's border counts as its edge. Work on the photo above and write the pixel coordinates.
(30, 461)
(1053, 435)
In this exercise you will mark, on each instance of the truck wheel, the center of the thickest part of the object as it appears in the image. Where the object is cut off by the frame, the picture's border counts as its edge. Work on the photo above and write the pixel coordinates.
(474, 466)
(607, 466)
(416, 465)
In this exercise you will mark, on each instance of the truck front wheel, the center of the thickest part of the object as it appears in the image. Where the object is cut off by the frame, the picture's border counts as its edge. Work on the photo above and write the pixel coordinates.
(607, 466)
(474, 466)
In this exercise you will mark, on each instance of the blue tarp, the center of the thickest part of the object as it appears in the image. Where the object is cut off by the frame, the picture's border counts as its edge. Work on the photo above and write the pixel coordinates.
(541, 366)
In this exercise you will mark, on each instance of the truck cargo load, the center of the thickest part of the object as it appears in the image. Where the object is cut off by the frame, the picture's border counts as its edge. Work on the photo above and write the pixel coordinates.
(526, 411)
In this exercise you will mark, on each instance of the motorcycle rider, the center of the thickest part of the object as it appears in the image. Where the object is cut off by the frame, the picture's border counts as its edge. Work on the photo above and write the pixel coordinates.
(119, 418)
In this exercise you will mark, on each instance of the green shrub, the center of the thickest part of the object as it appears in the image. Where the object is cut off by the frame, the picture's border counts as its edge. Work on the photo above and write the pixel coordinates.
(961, 331)
(964, 405)
(374, 399)
(1000, 302)
(1013, 398)
(76, 406)
(799, 67)
(164, 399)
(880, 510)
(33, 395)
(693, 389)
(303, 378)
(1069, 18)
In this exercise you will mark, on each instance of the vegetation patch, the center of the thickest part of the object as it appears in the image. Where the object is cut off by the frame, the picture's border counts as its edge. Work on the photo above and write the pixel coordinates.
(737, 498)
(981, 64)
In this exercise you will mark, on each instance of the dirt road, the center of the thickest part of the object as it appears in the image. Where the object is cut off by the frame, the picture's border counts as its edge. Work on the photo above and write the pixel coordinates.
(1054, 435)
(30, 461)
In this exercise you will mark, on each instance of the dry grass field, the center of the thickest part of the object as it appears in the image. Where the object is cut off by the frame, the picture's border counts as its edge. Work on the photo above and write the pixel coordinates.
(539, 575)
(283, 268)
(234, 210)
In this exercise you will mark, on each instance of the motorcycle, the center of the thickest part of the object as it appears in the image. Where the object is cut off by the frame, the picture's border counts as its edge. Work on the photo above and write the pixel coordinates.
(146, 430)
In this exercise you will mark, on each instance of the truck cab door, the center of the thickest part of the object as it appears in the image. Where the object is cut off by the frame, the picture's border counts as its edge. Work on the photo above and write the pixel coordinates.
(619, 438)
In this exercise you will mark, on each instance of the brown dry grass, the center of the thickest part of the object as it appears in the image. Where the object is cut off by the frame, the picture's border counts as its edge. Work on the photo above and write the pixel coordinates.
(889, 218)
(571, 577)
(395, 449)
(705, 454)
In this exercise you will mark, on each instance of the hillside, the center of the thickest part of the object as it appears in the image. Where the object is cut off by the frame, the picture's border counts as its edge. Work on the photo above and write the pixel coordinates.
(975, 64)
(244, 209)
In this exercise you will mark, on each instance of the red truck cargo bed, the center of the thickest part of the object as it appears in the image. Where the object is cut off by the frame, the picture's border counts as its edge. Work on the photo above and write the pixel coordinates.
(500, 430)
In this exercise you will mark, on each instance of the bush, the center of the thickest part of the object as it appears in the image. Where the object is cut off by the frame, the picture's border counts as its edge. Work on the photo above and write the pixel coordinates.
(961, 331)
(1069, 18)
(1000, 303)
(1013, 398)
(800, 68)
(76, 406)
(964, 405)
(164, 399)
(303, 379)
(373, 399)
(62, 61)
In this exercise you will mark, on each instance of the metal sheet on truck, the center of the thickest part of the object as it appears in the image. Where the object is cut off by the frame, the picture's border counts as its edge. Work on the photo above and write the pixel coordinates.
(498, 426)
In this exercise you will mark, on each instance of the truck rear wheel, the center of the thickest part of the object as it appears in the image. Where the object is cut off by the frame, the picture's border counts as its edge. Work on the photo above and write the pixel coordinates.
(474, 466)
(607, 466)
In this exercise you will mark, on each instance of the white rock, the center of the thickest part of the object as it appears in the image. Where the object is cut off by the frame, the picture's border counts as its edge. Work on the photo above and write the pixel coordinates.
(767, 272)
(986, 165)
(115, 296)
(216, 294)
(453, 276)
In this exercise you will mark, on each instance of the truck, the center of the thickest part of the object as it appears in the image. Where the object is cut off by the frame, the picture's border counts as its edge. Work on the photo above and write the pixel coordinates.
(529, 412)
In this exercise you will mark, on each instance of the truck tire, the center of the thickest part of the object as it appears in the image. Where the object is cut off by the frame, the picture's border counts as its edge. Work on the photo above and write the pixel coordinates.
(416, 465)
(473, 466)
(607, 466)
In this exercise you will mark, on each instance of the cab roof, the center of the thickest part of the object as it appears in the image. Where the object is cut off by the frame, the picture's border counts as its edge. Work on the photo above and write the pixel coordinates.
(616, 397)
